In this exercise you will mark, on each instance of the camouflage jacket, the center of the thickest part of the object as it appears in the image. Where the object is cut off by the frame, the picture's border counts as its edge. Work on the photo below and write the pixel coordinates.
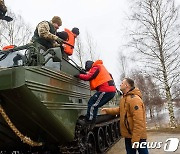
(44, 32)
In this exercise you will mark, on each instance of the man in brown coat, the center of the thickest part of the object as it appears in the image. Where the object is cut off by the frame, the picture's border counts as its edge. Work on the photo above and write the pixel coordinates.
(132, 117)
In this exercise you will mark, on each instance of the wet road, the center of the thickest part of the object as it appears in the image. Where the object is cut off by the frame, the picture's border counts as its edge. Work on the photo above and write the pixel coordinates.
(119, 147)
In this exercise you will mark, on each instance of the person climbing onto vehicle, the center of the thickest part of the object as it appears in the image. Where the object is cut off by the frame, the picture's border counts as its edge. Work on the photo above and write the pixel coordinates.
(3, 10)
(101, 81)
(69, 40)
(45, 33)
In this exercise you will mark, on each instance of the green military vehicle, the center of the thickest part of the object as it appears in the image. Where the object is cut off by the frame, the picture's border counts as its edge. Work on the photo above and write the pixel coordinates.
(41, 103)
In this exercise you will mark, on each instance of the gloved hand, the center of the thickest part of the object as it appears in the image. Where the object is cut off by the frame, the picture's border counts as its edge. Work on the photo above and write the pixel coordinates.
(76, 76)
(60, 41)
(82, 71)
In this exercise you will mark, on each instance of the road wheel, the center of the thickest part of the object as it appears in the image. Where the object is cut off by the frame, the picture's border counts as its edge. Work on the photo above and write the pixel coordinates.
(90, 144)
(100, 140)
(108, 136)
(113, 132)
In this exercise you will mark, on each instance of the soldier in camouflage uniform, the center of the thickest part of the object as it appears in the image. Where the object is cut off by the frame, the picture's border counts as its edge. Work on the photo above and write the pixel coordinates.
(45, 33)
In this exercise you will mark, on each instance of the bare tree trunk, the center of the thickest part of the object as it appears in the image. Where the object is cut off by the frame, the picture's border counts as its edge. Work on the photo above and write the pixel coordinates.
(79, 51)
(122, 62)
(172, 121)
(16, 32)
(157, 39)
(85, 50)
(91, 47)
(151, 113)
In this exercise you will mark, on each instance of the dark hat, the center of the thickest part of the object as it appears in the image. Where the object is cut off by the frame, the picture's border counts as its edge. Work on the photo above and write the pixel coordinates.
(88, 65)
(75, 30)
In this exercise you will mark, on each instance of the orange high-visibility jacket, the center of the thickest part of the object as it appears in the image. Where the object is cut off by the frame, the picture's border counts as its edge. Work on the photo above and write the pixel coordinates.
(68, 49)
(102, 77)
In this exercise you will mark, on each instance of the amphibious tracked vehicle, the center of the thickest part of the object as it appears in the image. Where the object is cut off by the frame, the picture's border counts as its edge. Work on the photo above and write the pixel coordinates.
(41, 103)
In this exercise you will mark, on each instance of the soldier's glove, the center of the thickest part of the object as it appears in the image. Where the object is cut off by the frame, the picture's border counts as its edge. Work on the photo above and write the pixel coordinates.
(76, 76)
(82, 71)
(60, 41)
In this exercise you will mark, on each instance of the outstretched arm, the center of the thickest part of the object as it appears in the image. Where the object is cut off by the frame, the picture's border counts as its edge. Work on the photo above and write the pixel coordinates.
(112, 111)
(90, 75)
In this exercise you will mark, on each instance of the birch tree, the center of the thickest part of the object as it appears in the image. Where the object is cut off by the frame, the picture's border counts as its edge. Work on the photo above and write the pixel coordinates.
(91, 48)
(79, 51)
(16, 32)
(122, 65)
(156, 38)
(85, 49)
(150, 91)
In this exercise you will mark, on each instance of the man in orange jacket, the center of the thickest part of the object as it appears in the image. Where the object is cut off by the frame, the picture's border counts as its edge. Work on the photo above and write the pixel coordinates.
(101, 81)
(69, 39)
(132, 117)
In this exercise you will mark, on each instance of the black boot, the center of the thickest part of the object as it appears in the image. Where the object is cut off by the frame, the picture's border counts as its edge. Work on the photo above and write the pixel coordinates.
(89, 124)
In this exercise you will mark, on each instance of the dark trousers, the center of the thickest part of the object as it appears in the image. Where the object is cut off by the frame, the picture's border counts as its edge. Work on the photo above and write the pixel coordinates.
(130, 150)
(96, 101)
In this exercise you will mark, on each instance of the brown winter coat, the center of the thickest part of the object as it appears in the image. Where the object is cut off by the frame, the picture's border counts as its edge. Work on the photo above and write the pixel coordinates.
(132, 116)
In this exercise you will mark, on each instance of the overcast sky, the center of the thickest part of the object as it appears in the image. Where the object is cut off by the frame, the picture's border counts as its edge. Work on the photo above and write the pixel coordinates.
(104, 20)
